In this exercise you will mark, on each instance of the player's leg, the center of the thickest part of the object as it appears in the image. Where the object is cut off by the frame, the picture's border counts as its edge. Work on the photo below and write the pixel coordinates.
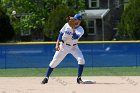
(76, 52)
(58, 57)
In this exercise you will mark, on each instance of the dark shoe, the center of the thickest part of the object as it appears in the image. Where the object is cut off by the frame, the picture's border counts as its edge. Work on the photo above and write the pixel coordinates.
(45, 80)
(79, 81)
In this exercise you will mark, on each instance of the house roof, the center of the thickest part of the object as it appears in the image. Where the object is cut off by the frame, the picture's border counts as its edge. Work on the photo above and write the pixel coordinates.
(95, 14)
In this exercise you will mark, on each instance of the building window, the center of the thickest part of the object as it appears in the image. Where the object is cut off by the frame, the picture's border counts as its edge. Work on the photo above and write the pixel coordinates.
(117, 3)
(93, 3)
(91, 27)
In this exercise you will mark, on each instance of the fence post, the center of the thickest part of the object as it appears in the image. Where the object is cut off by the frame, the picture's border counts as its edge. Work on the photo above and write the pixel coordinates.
(5, 55)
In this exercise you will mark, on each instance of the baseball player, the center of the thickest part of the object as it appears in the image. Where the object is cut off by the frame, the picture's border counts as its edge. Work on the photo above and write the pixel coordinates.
(66, 43)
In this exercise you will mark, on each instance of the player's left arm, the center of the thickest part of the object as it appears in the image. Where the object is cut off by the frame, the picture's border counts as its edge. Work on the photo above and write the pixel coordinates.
(75, 36)
(78, 34)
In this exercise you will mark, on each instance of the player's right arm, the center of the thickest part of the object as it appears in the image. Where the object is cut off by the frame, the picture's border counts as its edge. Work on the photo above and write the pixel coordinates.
(57, 46)
(59, 39)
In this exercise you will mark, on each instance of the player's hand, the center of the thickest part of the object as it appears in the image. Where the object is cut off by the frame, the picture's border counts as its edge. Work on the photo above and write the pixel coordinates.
(57, 48)
(71, 22)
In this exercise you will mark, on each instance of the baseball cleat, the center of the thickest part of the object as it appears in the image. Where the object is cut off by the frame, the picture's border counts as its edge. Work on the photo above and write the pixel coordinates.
(79, 81)
(45, 80)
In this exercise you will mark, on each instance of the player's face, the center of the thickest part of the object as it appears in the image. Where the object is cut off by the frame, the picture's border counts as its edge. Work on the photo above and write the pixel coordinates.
(77, 23)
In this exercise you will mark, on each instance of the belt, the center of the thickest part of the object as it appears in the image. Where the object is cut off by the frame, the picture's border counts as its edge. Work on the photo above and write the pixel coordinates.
(62, 41)
(70, 44)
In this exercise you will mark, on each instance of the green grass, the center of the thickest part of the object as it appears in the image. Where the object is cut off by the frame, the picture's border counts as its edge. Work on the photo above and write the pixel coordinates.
(108, 71)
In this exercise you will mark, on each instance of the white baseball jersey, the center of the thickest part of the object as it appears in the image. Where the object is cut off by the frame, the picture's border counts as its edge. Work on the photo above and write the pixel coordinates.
(68, 46)
(68, 33)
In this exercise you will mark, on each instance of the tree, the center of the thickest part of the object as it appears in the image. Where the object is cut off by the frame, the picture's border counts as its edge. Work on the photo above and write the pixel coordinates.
(29, 15)
(6, 29)
(56, 20)
(57, 16)
(129, 26)
(32, 15)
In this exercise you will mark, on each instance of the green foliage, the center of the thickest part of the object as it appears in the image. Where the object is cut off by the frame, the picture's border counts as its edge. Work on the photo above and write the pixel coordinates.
(130, 22)
(30, 14)
(31, 21)
(33, 14)
(57, 18)
(6, 30)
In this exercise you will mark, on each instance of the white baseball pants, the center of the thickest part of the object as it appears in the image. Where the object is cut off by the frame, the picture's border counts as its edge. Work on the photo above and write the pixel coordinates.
(64, 50)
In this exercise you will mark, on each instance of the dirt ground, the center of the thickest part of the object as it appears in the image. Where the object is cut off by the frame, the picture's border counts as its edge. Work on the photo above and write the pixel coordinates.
(104, 84)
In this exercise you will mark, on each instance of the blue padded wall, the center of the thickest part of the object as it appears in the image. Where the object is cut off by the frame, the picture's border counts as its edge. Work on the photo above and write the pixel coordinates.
(96, 55)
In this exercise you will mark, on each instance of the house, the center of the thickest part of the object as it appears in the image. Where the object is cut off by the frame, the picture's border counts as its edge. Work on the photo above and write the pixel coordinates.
(102, 17)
